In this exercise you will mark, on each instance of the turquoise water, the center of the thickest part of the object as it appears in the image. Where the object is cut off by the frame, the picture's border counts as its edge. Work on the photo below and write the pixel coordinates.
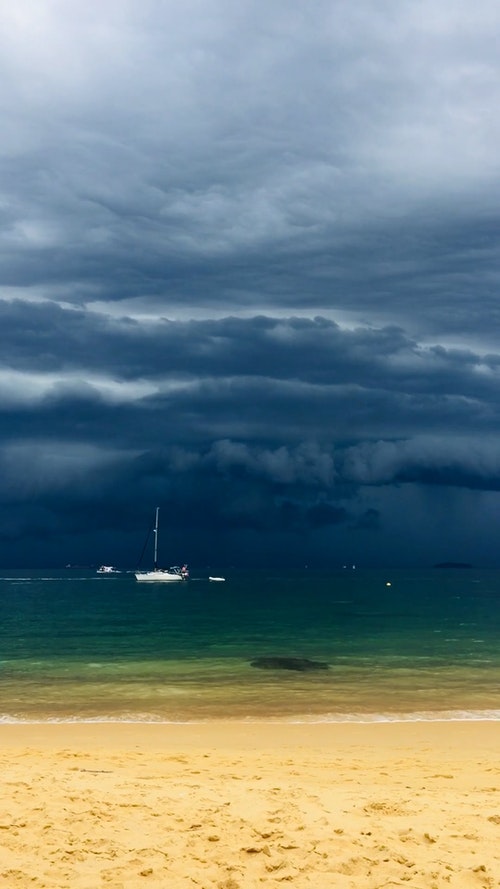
(75, 645)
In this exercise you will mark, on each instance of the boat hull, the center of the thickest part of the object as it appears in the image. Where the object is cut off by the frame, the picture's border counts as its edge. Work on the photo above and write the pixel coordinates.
(158, 576)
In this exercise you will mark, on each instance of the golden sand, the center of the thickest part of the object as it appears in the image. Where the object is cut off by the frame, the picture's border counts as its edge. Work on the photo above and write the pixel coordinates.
(237, 806)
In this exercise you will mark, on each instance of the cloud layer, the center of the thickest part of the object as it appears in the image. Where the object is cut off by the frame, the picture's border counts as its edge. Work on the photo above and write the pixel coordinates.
(249, 272)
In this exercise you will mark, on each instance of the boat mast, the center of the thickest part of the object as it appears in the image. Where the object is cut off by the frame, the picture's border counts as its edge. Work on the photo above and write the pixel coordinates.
(155, 532)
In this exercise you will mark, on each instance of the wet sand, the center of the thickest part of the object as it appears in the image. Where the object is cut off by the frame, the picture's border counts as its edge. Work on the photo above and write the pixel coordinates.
(237, 806)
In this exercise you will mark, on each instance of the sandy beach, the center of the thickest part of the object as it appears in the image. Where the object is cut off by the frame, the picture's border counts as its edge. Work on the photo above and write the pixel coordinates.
(232, 805)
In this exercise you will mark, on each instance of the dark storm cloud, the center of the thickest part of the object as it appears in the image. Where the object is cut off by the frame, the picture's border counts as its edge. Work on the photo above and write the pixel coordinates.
(259, 381)
(213, 153)
(66, 350)
(248, 268)
(461, 463)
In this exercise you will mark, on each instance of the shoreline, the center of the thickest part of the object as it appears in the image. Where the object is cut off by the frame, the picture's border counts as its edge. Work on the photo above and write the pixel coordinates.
(228, 805)
(488, 715)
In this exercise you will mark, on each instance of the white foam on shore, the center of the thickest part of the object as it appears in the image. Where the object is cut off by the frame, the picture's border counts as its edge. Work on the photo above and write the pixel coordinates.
(327, 718)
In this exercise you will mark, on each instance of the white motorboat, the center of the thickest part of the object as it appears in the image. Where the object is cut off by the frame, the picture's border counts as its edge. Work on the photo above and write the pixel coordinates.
(161, 575)
(108, 569)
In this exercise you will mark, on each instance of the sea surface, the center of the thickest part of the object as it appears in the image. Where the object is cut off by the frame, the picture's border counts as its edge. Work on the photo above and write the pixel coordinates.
(397, 645)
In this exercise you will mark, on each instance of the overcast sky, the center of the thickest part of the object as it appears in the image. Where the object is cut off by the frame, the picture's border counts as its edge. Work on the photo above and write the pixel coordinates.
(249, 269)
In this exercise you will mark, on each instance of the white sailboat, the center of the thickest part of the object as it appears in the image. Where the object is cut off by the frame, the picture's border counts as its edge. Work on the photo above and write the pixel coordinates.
(161, 575)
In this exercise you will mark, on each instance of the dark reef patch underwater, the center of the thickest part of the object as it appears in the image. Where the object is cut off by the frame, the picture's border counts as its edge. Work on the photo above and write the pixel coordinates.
(299, 664)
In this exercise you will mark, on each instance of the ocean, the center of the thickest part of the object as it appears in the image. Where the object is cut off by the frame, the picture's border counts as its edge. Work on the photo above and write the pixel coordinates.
(76, 646)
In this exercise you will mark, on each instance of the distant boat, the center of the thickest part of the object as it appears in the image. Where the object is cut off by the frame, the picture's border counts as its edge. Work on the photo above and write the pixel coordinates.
(217, 579)
(161, 575)
(108, 569)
